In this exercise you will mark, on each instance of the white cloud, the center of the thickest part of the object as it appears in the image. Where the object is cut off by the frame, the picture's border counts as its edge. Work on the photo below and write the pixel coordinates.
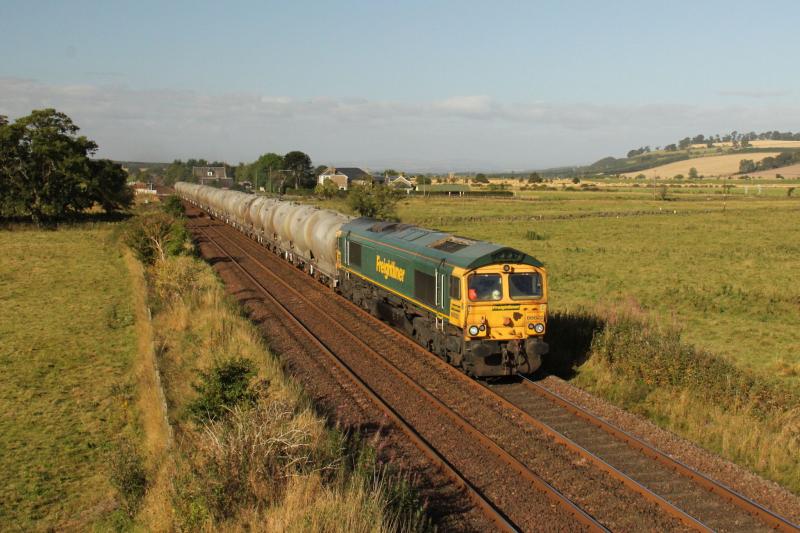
(460, 132)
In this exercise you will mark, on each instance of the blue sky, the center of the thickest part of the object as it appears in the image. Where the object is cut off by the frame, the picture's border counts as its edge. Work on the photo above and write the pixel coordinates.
(423, 85)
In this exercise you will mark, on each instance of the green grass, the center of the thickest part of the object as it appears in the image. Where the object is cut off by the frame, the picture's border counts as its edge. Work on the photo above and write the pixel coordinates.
(68, 340)
(727, 278)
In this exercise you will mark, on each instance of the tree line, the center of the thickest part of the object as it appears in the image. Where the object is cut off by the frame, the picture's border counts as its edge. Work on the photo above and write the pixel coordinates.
(768, 163)
(271, 171)
(736, 138)
(47, 170)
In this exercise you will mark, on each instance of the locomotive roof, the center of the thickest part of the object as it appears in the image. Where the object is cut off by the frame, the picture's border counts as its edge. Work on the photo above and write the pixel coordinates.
(437, 245)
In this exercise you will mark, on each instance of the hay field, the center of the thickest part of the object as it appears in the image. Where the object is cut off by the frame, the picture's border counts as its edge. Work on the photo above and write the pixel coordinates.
(721, 165)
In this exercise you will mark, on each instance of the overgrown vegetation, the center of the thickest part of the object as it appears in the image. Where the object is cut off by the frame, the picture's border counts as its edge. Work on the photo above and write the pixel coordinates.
(645, 367)
(373, 202)
(250, 452)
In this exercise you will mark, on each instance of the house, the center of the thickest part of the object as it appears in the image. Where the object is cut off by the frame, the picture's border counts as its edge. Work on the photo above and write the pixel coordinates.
(143, 188)
(345, 177)
(401, 183)
(212, 176)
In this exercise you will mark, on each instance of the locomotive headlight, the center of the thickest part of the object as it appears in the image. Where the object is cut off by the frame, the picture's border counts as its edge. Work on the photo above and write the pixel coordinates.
(538, 328)
(473, 330)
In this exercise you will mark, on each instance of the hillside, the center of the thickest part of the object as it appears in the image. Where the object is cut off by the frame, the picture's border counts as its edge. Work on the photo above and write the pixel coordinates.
(721, 165)
(790, 172)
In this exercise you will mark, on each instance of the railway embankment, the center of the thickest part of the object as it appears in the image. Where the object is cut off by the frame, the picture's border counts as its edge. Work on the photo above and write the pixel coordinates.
(645, 367)
(250, 450)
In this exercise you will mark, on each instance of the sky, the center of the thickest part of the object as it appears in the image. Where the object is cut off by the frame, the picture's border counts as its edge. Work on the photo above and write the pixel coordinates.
(415, 85)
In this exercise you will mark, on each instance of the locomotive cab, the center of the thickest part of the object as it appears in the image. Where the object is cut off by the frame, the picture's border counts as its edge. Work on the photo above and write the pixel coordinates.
(504, 318)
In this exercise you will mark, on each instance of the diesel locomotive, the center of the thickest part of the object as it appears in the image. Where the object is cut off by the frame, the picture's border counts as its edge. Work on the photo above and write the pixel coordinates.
(480, 306)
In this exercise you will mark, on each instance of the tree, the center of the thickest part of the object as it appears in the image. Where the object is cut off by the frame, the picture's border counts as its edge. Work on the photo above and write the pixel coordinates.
(534, 178)
(262, 170)
(373, 202)
(576, 180)
(109, 185)
(326, 190)
(746, 165)
(693, 173)
(47, 171)
(177, 171)
(301, 170)
(684, 143)
(481, 178)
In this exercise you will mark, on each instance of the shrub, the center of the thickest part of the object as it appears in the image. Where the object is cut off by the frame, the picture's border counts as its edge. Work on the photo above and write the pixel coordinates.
(326, 190)
(179, 277)
(155, 236)
(173, 206)
(374, 202)
(225, 386)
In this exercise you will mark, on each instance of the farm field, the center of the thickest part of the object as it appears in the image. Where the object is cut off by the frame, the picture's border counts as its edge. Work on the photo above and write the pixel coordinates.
(721, 165)
(759, 143)
(790, 172)
(68, 342)
(727, 277)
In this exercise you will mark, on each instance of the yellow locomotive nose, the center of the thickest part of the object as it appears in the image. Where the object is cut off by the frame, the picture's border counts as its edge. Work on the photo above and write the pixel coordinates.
(507, 322)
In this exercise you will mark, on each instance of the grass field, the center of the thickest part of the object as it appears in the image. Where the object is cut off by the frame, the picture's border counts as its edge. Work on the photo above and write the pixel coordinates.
(724, 271)
(68, 340)
(721, 165)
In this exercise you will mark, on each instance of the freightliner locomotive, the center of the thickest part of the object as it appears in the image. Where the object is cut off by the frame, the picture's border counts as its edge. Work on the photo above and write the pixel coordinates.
(480, 306)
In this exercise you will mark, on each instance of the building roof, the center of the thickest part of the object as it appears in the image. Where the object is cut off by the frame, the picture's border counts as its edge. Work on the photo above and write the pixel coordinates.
(203, 172)
(352, 173)
(436, 245)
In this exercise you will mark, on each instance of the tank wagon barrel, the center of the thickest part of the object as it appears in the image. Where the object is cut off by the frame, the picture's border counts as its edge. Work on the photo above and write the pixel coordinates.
(304, 234)
(480, 306)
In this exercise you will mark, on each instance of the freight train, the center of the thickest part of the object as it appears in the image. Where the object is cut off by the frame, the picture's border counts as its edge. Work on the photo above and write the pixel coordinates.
(477, 305)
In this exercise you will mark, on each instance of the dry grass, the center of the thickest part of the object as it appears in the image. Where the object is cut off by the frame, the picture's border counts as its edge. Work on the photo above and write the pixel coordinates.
(721, 165)
(273, 466)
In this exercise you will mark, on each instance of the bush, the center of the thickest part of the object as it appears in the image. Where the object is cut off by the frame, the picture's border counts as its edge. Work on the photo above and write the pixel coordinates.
(173, 206)
(374, 202)
(225, 386)
(155, 236)
(326, 190)
(179, 277)
(639, 349)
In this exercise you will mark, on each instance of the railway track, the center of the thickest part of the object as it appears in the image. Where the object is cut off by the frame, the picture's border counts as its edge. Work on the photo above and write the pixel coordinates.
(500, 425)
(494, 461)
(692, 491)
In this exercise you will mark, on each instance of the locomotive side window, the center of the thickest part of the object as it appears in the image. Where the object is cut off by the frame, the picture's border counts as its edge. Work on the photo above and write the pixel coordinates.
(485, 287)
(527, 285)
(455, 288)
(424, 287)
(355, 253)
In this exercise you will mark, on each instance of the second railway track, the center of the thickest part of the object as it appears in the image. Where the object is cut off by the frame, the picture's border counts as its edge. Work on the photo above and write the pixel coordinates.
(494, 438)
